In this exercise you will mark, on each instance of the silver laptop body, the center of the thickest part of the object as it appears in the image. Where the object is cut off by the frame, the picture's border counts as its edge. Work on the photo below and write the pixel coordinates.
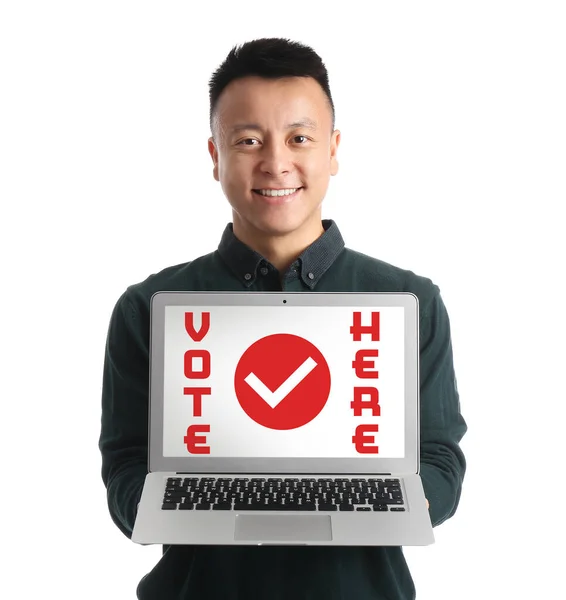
(239, 443)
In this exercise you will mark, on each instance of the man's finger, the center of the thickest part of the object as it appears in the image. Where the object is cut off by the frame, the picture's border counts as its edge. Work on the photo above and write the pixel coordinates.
(427, 504)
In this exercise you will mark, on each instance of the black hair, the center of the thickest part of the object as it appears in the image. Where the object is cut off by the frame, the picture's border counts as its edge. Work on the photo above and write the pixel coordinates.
(270, 58)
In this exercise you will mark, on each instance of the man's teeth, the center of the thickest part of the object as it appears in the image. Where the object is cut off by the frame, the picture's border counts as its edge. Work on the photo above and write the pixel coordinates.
(277, 192)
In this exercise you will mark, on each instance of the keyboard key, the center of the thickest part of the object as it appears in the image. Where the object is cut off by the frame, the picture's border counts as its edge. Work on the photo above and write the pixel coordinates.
(204, 506)
(186, 506)
(173, 494)
(364, 508)
(169, 507)
(222, 506)
(327, 507)
(305, 507)
(252, 506)
(380, 507)
(397, 508)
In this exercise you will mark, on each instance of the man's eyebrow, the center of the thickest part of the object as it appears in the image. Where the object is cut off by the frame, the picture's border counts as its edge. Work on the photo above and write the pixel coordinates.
(304, 122)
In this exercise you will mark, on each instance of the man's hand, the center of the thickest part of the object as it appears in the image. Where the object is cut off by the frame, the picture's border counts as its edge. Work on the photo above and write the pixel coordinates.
(427, 504)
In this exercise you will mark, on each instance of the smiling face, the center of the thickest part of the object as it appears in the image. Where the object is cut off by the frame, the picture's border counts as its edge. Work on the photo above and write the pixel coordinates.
(274, 134)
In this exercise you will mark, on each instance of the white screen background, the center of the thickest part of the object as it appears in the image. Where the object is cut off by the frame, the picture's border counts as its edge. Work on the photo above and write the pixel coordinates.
(232, 432)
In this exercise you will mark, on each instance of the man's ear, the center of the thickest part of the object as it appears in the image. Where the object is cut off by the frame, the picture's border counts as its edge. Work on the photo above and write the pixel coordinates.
(334, 143)
(214, 155)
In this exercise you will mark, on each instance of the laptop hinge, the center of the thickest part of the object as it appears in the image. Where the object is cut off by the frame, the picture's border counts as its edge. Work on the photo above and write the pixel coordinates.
(279, 473)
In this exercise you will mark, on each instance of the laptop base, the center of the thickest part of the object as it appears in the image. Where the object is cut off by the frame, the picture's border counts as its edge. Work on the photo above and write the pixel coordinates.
(232, 527)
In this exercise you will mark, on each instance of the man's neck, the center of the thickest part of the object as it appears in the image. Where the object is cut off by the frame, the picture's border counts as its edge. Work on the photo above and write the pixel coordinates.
(280, 251)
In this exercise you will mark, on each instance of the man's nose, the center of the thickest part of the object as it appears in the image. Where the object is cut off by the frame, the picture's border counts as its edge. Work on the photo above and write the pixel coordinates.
(276, 158)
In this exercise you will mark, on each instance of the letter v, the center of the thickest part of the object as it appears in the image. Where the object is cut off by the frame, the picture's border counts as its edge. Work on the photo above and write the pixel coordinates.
(197, 336)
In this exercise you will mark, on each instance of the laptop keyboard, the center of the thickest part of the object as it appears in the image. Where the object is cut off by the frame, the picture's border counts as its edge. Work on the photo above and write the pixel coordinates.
(210, 493)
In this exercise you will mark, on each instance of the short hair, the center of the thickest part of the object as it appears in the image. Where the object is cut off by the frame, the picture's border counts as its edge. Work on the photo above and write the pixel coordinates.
(270, 58)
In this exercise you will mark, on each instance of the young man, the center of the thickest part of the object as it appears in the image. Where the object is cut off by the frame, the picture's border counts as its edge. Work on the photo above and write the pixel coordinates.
(274, 149)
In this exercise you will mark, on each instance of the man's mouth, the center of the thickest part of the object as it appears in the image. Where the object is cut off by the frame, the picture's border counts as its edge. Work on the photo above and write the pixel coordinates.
(277, 193)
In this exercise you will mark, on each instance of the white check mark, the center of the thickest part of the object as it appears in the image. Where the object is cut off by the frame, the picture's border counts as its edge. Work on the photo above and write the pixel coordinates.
(274, 398)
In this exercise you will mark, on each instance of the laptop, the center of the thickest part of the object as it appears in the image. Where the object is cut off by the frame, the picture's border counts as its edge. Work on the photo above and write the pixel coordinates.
(284, 418)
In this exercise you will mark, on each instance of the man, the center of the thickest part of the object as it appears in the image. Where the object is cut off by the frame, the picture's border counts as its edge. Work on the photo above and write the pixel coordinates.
(272, 124)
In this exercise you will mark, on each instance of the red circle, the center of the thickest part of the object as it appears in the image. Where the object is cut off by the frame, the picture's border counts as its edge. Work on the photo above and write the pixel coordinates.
(273, 360)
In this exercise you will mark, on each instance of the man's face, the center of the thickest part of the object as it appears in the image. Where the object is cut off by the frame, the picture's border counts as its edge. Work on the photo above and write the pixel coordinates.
(274, 134)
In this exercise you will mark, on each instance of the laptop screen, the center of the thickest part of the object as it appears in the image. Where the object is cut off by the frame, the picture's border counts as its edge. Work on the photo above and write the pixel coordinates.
(305, 381)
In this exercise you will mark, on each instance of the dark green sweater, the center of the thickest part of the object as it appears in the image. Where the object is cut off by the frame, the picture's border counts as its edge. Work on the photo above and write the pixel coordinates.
(276, 572)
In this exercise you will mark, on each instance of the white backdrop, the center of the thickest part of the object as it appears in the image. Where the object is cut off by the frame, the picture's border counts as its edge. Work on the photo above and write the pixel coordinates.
(452, 164)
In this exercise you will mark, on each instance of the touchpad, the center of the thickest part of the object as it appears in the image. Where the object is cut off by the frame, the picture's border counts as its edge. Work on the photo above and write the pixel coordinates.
(283, 528)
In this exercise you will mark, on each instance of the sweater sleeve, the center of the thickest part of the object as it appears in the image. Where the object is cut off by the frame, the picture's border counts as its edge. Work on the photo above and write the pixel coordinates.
(124, 423)
(442, 462)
